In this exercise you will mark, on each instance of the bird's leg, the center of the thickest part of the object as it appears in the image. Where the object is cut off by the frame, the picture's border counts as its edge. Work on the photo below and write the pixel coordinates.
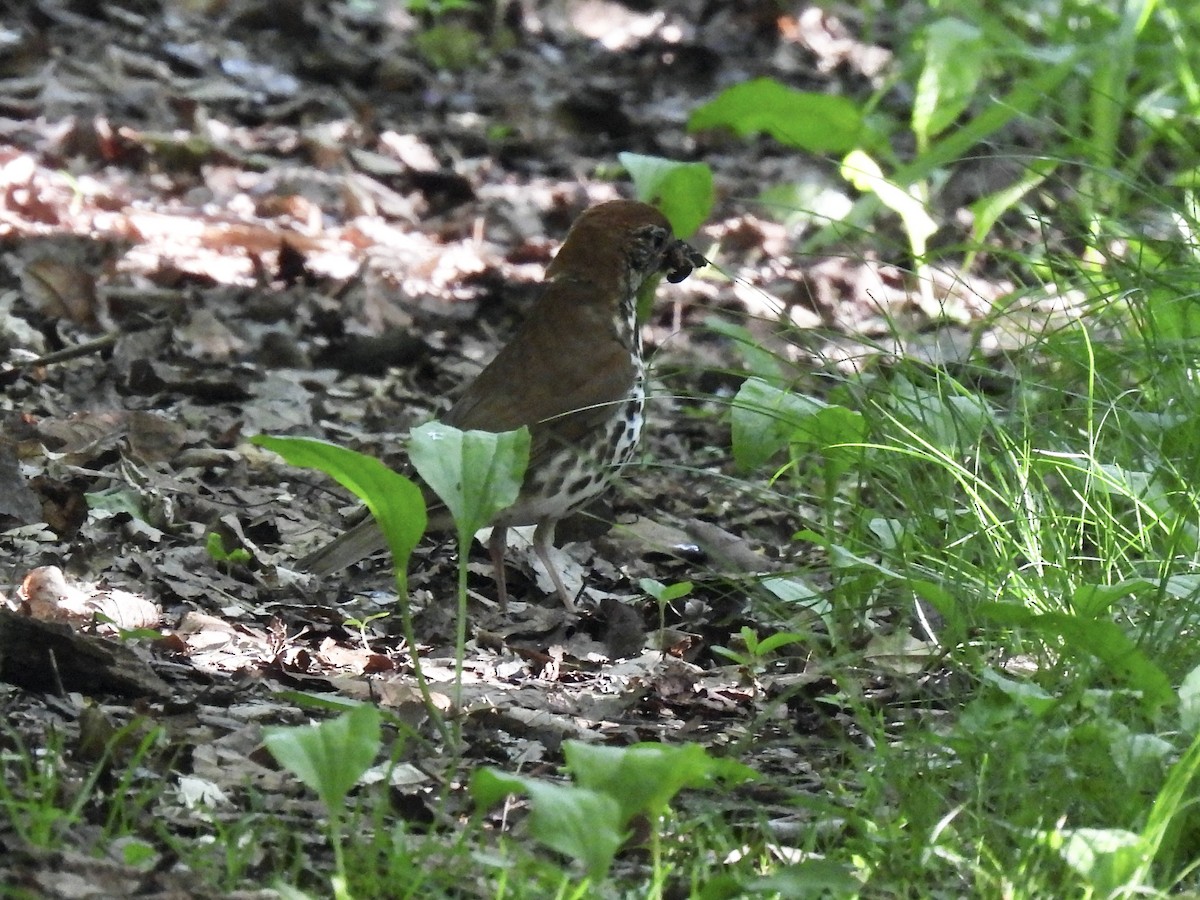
(543, 540)
(497, 546)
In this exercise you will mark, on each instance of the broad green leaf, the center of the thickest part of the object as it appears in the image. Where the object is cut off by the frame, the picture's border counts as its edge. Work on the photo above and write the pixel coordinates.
(215, 545)
(757, 360)
(1026, 96)
(767, 419)
(682, 190)
(987, 210)
(1105, 857)
(815, 878)
(835, 432)
(792, 589)
(764, 419)
(842, 558)
(116, 500)
(818, 123)
(475, 473)
(773, 642)
(1020, 691)
(644, 778)
(394, 501)
(802, 205)
(329, 757)
(580, 823)
(954, 59)
(1093, 600)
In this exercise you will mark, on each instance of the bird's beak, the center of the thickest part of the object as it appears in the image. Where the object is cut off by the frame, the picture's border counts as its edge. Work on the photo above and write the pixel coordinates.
(680, 260)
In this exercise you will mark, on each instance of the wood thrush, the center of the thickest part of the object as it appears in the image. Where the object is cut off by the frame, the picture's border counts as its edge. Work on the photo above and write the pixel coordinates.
(573, 373)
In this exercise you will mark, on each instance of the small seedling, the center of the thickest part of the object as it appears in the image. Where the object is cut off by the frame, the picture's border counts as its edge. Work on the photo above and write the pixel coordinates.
(589, 820)
(329, 758)
(663, 595)
(757, 650)
(215, 545)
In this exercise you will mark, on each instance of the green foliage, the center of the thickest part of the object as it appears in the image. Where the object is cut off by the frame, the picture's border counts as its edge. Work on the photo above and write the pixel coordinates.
(758, 651)
(818, 123)
(767, 420)
(589, 820)
(475, 473)
(330, 758)
(954, 62)
(664, 593)
(117, 500)
(439, 7)
(450, 47)
(955, 55)
(1030, 512)
(683, 191)
(907, 202)
(583, 824)
(43, 801)
(1090, 637)
(394, 501)
(397, 506)
(215, 545)
(1049, 520)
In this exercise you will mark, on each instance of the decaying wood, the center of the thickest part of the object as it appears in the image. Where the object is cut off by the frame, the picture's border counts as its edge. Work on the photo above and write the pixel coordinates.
(48, 657)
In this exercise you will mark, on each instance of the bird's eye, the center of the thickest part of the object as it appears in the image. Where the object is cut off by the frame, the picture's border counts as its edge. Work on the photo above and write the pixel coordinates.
(649, 244)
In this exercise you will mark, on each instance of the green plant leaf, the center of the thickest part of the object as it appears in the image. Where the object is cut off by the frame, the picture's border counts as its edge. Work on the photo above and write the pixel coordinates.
(757, 360)
(215, 545)
(644, 778)
(116, 500)
(818, 123)
(450, 47)
(394, 501)
(1093, 600)
(766, 420)
(1106, 857)
(583, 824)
(779, 639)
(1025, 97)
(1095, 637)
(864, 173)
(955, 52)
(987, 210)
(683, 191)
(1169, 821)
(952, 422)
(1020, 691)
(1189, 703)
(331, 756)
(665, 593)
(475, 473)
(814, 878)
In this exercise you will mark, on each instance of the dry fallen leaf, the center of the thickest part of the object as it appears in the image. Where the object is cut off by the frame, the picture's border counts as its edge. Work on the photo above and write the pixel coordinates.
(48, 596)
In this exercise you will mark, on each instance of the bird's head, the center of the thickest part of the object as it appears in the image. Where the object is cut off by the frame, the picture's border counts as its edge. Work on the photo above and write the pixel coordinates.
(624, 239)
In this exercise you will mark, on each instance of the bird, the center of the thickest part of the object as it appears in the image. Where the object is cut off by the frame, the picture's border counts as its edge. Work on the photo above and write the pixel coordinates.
(573, 373)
